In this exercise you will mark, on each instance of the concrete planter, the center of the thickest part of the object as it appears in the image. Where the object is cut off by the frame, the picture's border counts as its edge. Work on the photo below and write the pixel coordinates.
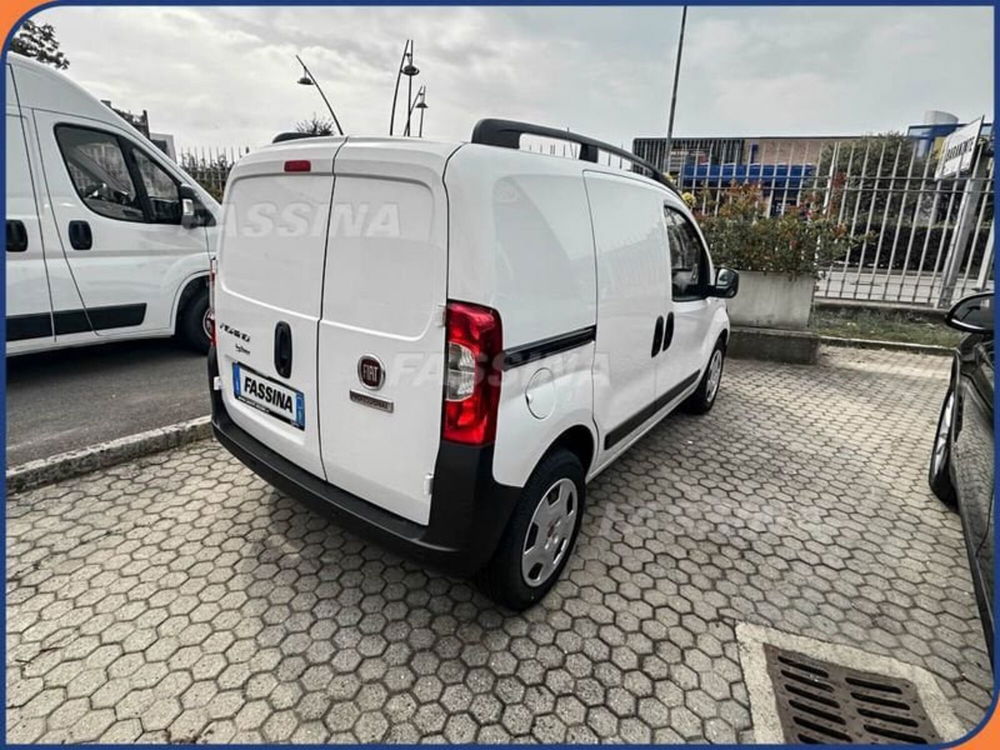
(772, 300)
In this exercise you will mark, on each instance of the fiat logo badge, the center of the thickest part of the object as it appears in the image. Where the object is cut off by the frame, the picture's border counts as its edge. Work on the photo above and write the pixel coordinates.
(371, 373)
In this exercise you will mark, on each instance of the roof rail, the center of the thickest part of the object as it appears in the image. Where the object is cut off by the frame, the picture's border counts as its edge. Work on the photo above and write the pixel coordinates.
(292, 136)
(507, 134)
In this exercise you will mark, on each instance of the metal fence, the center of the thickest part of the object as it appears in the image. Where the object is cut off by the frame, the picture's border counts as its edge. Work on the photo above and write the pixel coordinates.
(914, 239)
(210, 166)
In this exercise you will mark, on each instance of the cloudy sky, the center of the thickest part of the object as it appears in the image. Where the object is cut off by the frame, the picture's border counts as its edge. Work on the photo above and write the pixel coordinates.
(226, 76)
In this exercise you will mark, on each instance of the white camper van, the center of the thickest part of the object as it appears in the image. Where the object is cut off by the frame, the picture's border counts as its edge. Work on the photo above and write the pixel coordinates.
(443, 342)
(107, 238)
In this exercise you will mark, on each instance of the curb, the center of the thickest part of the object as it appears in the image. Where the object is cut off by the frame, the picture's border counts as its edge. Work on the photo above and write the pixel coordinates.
(899, 346)
(102, 455)
(916, 310)
(792, 347)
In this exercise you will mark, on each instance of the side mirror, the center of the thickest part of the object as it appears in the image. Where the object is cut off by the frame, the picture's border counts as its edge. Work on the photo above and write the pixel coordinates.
(974, 314)
(190, 215)
(727, 283)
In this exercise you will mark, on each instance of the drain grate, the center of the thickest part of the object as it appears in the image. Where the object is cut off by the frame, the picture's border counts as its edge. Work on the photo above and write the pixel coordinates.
(823, 703)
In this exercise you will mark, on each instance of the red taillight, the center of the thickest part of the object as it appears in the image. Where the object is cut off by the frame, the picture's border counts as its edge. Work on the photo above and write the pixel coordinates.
(298, 165)
(472, 375)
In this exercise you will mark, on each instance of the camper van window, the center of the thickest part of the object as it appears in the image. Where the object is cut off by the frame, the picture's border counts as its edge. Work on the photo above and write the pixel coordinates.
(161, 189)
(688, 259)
(99, 173)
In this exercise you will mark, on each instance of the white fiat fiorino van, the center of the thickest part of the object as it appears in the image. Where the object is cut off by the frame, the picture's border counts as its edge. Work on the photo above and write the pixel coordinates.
(107, 238)
(443, 342)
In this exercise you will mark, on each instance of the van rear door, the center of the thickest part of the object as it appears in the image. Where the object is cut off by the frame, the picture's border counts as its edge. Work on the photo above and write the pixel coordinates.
(268, 294)
(381, 330)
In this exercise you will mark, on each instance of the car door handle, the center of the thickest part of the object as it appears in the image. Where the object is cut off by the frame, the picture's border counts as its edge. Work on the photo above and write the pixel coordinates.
(17, 236)
(668, 332)
(80, 236)
(657, 336)
(283, 349)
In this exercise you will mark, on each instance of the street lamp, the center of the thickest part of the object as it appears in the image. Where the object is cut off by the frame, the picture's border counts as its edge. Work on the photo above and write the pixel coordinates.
(308, 79)
(422, 105)
(408, 69)
(673, 95)
(419, 102)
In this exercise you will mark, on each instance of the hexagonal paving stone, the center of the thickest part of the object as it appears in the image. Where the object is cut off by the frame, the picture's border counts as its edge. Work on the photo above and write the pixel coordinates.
(181, 599)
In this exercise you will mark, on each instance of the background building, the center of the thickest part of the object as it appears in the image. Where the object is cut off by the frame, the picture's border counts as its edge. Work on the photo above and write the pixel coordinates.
(163, 141)
(783, 165)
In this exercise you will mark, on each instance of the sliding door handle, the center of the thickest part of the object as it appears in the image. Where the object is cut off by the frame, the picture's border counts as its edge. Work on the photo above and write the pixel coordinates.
(668, 332)
(657, 336)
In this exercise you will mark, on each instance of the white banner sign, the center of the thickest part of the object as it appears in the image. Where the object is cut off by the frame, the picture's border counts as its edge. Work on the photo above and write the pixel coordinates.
(958, 150)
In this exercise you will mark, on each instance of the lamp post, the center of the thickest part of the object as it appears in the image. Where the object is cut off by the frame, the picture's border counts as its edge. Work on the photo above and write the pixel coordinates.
(308, 79)
(408, 69)
(673, 95)
(422, 105)
(419, 102)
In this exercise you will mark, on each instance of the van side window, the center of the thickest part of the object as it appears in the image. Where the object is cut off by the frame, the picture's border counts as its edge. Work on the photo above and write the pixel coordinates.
(688, 258)
(161, 189)
(99, 172)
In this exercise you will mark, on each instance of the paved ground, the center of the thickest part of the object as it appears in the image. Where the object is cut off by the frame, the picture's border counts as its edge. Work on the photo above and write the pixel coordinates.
(70, 399)
(181, 599)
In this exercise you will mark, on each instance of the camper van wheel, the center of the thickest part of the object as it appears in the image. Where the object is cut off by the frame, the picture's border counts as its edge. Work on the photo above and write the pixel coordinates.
(194, 325)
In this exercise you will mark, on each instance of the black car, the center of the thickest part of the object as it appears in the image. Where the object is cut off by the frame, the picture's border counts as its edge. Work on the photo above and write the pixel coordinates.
(961, 468)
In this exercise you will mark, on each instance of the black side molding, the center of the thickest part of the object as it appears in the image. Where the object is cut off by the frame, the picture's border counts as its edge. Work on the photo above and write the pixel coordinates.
(102, 318)
(522, 355)
(631, 424)
(39, 325)
(21, 327)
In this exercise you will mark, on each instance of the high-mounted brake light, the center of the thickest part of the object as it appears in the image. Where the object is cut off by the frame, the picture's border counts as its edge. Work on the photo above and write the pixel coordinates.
(298, 165)
(472, 377)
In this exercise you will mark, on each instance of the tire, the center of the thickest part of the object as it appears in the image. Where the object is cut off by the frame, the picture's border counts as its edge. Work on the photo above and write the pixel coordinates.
(939, 469)
(514, 579)
(702, 400)
(192, 322)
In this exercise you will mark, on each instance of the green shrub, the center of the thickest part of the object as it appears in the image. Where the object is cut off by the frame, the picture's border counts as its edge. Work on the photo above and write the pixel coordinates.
(799, 241)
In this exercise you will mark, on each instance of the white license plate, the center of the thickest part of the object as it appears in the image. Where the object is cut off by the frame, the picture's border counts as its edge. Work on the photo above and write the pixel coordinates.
(269, 396)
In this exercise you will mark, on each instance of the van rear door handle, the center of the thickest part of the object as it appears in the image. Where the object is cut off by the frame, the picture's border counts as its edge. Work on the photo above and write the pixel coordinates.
(80, 236)
(657, 336)
(283, 349)
(17, 236)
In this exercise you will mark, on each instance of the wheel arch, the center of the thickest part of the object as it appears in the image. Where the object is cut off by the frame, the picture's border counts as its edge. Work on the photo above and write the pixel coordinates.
(578, 440)
(188, 290)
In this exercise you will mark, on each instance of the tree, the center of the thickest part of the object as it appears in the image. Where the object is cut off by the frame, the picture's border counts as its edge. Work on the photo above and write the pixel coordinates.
(858, 173)
(39, 42)
(316, 126)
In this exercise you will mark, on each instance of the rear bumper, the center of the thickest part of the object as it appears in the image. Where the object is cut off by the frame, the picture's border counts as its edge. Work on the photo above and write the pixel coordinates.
(469, 509)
